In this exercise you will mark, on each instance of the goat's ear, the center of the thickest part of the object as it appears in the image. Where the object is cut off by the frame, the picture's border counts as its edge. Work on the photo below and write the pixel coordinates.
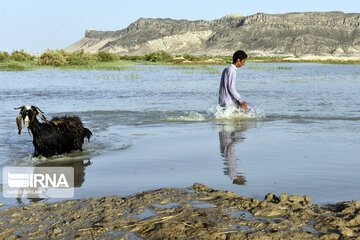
(43, 117)
(18, 122)
(40, 113)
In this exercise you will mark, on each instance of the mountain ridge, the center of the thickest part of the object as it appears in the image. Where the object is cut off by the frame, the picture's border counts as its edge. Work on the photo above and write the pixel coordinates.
(261, 34)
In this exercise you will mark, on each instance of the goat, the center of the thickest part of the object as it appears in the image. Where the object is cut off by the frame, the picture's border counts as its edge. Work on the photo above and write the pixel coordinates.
(58, 136)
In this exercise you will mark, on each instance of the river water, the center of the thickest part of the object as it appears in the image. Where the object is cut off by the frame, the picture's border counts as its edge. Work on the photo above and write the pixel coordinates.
(159, 126)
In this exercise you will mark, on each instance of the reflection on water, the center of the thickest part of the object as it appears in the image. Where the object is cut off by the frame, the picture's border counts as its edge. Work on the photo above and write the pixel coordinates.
(79, 168)
(79, 176)
(230, 134)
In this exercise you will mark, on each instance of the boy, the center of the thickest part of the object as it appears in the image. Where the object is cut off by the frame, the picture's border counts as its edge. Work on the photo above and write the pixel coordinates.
(228, 95)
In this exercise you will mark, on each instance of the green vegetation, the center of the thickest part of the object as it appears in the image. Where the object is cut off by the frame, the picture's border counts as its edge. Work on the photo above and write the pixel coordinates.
(266, 59)
(285, 68)
(21, 56)
(107, 57)
(20, 61)
(158, 57)
(132, 76)
(53, 58)
(132, 58)
(4, 56)
(198, 69)
(61, 58)
(18, 56)
(267, 67)
(13, 66)
(197, 58)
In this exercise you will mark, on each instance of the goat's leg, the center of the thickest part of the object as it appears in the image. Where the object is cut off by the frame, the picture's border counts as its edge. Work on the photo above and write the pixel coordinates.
(36, 152)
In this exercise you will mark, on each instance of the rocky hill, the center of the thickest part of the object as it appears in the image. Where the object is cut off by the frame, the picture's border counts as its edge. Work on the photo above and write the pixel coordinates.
(297, 34)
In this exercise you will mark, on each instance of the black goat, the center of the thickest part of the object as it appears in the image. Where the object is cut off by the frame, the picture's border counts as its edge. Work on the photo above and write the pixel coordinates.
(58, 136)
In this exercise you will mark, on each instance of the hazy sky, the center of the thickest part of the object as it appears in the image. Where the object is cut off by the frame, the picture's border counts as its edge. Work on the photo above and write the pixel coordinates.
(35, 25)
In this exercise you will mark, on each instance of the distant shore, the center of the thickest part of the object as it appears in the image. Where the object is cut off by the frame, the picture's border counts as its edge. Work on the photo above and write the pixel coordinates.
(60, 59)
(197, 212)
(325, 59)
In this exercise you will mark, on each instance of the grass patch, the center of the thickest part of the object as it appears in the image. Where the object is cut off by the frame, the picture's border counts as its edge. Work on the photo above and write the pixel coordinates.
(15, 66)
(119, 65)
(197, 69)
(133, 76)
(267, 68)
(285, 68)
(266, 59)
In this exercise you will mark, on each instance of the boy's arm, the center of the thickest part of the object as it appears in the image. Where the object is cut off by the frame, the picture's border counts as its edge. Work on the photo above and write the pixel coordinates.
(234, 93)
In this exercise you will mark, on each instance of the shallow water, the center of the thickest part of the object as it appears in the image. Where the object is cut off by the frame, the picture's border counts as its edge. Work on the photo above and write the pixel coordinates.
(159, 126)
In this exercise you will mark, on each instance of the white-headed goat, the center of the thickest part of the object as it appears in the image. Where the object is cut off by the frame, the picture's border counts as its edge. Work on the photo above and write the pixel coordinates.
(58, 136)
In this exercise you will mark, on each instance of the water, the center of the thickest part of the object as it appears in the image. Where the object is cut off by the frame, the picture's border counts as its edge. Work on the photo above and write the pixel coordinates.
(159, 126)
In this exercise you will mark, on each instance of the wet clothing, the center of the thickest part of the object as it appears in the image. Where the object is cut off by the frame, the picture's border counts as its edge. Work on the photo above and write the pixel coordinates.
(227, 92)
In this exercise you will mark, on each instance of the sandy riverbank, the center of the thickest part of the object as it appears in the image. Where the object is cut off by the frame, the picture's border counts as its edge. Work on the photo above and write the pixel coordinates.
(197, 212)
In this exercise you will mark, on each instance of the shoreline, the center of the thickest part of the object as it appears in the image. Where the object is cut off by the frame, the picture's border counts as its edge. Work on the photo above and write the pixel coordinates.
(197, 212)
(123, 62)
(324, 59)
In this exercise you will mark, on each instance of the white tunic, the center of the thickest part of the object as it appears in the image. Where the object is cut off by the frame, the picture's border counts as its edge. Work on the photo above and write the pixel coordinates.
(227, 92)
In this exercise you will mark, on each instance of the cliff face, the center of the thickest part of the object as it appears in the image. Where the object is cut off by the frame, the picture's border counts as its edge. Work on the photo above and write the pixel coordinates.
(313, 33)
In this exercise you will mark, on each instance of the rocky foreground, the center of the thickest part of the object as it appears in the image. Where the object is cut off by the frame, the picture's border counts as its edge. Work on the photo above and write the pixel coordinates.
(197, 212)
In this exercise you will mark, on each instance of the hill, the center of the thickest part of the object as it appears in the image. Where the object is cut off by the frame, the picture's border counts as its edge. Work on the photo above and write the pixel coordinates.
(290, 34)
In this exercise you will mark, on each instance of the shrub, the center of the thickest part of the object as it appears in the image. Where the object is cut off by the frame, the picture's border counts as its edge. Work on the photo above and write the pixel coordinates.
(59, 58)
(190, 57)
(53, 58)
(21, 56)
(158, 57)
(4, 56)
(107, 56)
(81, 58)
(131, 58)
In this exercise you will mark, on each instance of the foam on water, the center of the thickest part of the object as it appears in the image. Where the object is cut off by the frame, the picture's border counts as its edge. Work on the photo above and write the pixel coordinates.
(236, 113)
(220, 113)
(189, 117)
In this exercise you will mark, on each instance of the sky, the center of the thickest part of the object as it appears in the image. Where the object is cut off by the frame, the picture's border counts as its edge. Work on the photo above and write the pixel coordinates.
(36, 25)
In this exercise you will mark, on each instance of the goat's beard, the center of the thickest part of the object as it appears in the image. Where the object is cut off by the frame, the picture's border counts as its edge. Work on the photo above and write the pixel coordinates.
(26, 121)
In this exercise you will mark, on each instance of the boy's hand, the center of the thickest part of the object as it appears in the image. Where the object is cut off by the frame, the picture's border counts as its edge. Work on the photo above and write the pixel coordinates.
(244, 105)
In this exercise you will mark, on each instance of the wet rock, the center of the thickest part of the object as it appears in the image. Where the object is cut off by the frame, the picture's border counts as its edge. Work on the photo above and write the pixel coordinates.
(284, 197)
(269, 212)
(57, 231)
(299, 199)
(169, 213)
(355, 221)
(200, 187)
(346, 232)
(332, 236)
(270, 197)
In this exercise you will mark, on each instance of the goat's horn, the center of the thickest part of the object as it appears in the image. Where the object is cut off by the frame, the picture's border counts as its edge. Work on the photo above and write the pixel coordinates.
(38, 109)
(18, 122)
(19, 108)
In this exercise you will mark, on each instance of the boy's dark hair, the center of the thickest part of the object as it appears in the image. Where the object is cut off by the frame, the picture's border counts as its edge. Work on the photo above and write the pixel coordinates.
(239, 54)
